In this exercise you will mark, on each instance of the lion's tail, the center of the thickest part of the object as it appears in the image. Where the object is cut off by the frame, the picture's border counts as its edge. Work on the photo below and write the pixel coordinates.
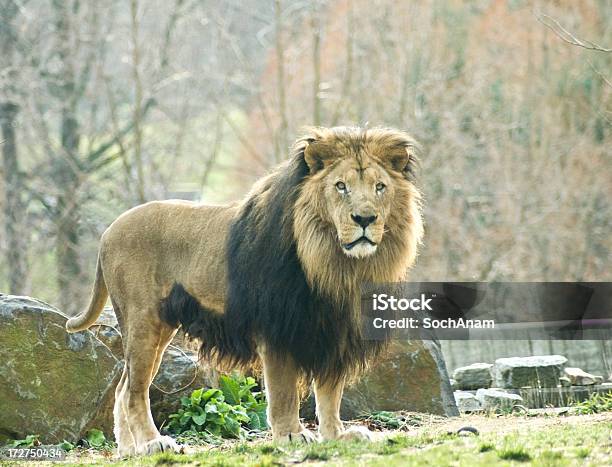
(98, 298)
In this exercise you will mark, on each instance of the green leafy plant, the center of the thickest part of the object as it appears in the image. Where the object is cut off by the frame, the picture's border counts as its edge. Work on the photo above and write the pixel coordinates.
(385, 420)
(66, 446)
(95, 438)
(229, 411)
(31, 441)
(28, 442)
(596, 403)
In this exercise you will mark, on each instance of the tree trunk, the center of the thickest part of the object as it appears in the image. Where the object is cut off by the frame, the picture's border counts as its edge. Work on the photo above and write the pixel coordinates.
(66, 171)
(138, 101)
(13, 206)
(316, 64)
(283, 144)
(71, 290)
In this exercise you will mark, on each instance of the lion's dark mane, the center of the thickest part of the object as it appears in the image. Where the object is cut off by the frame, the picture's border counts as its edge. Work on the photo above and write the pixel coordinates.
(268, 297)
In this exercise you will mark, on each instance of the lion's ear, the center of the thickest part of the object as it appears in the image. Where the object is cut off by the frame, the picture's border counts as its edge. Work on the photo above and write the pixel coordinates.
(316, 155)
(403, 159)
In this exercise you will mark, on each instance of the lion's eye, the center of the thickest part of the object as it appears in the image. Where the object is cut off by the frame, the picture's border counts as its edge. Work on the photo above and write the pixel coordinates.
(341, 187)
(380, 187)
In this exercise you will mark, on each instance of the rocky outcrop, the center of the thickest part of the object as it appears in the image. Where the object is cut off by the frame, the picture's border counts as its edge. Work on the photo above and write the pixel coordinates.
(407, 377)
(474, 376)
(493, 399)
(517, 372)
(51, 383)
(579, 377)
(467, 402)
(60, 385)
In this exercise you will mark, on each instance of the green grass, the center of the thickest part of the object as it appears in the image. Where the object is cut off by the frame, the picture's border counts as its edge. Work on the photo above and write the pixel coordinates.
(564, 445)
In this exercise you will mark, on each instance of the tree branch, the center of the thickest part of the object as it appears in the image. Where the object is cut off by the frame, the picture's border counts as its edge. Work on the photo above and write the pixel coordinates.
(567, 36)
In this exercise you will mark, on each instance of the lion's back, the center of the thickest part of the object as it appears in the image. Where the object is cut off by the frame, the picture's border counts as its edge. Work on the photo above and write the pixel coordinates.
(160, 243)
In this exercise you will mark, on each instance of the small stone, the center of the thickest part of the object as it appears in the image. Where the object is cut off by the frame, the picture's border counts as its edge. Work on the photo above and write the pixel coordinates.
(565, 381)
(474, 376)
(579, 377)
(466, 402)
(491, 399)
(598, 379)
(538, 371)
(467, 431)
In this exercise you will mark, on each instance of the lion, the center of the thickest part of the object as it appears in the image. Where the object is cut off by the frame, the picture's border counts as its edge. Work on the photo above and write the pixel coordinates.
(273, 279)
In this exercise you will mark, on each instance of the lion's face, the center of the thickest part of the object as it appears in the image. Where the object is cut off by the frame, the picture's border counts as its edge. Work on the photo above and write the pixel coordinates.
(360, 187)
(358, 199)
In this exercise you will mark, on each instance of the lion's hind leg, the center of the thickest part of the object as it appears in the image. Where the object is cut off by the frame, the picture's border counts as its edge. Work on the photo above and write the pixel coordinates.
(123, 437)
(144, 344)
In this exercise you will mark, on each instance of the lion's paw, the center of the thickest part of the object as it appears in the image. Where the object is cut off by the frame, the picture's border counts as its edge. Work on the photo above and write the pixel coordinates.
(160, 444)
(125, 451)
(356, 433)
(304, 436)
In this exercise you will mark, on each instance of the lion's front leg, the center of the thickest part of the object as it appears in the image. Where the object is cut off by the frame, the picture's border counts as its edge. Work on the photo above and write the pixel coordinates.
(328, 397)
(281, 380)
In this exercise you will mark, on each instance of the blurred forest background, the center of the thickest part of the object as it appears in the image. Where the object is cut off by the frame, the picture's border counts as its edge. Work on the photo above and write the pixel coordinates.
(107, 104)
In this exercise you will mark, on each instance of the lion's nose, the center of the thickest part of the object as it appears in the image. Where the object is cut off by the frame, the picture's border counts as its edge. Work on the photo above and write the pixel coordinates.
(363, 221)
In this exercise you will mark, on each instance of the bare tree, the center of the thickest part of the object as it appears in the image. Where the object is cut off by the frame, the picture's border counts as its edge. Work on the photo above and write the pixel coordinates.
(316, 63)
(138, 100)
(75, 51)
(13, 187)
(283, 138)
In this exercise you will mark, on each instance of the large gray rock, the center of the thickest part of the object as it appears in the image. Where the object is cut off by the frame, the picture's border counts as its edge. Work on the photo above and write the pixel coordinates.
(579, 377)
(406, 377)
(517, 372)
(474, 376)
(492, 399)
(565, 396)
(446, 389)
(467, 402)
(52, 383)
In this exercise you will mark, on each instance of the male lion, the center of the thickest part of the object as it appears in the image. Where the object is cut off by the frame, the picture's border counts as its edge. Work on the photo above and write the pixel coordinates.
(274, 277)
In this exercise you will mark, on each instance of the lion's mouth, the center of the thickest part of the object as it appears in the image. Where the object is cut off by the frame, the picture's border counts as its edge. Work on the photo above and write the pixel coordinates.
(363, 238)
